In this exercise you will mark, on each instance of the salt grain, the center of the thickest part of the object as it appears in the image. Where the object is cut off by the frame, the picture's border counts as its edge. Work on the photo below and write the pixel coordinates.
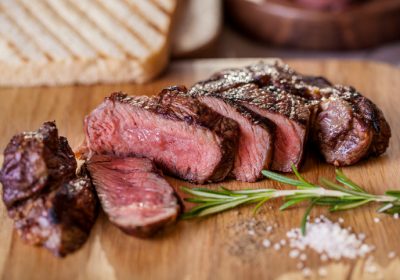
(370, 266)
(324, 257)
(396, 216)
(322, 272)
(300, 265)
(251, 232)
(303, 257)
(376, 220)
(340, 220)
(277, 246)
(266, 243)
(307, 272)
(294, 254)
(391, 255)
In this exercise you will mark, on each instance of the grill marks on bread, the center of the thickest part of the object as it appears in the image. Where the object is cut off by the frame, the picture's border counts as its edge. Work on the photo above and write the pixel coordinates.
(62, 42)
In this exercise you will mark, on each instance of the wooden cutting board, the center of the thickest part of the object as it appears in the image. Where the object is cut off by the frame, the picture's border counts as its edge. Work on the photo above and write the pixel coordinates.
(215, 247)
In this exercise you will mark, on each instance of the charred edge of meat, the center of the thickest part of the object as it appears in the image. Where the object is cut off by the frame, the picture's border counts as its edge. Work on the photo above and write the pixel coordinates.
(372, 138)
(60, 220)
(75, 209)
(293, 107)
(35, 162)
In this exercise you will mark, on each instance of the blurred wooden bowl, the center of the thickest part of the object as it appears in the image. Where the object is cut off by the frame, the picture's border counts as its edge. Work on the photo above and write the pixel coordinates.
(285, 23)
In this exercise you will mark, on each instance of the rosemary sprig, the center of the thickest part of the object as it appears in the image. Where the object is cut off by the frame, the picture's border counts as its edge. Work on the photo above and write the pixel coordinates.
(343, 195)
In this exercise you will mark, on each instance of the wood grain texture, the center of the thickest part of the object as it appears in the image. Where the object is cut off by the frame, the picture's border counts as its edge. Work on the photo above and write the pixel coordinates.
(201, 249)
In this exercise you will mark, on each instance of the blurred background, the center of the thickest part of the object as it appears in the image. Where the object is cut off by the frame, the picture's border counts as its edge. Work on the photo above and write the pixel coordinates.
(348, 29)
(61, 42)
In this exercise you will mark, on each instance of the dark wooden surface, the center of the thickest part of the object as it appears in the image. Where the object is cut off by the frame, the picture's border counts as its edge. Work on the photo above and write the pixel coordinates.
(202, 249)
(286, 23)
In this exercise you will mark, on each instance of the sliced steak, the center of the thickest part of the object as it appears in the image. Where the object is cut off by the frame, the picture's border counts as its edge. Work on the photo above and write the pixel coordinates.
(363, 129)
(50, 206)
(134, 194)
(289, 114)
(347, 127)
(255, 149)
(183, 136)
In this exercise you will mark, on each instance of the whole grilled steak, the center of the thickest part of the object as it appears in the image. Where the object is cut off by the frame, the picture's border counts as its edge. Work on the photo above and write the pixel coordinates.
(134, 194)
(183, 136)
(345, 125)
(50, 206)
(255, 149)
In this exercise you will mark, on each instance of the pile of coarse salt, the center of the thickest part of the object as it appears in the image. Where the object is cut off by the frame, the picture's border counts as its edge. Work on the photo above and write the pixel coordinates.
(329, 240)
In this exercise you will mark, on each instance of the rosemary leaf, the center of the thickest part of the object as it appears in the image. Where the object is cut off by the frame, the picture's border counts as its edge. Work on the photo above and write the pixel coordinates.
(350, 205)
(280, 178)
(340, 177)
(305, 217)
(292, 202)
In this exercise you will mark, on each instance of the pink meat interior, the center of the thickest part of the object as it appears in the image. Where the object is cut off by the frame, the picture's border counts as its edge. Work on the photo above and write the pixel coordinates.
(255, 151)
(289, 140)
(131, 193)
(188, 151)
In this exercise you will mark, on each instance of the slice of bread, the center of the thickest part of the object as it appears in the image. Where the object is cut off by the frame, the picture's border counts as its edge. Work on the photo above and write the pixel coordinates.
(59, 42)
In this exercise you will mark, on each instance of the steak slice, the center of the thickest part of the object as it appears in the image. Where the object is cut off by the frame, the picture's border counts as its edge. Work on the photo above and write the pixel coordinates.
(349, 127)
(34, 161)
(133, 193)
(50, 206)
(290, 115)
(255, 148)
(182, 135)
